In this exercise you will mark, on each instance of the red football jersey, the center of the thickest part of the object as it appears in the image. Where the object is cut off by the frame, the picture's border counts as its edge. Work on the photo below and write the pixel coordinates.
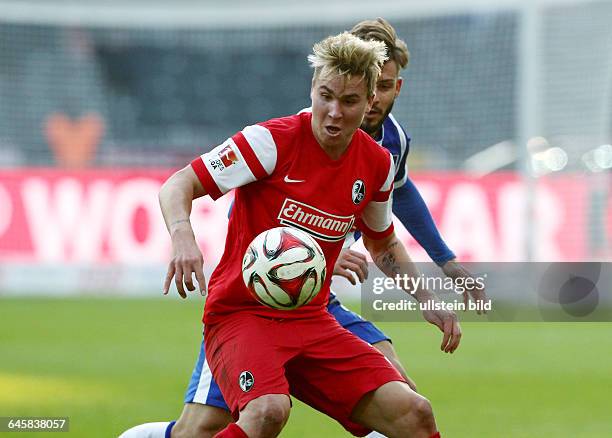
(283, 177)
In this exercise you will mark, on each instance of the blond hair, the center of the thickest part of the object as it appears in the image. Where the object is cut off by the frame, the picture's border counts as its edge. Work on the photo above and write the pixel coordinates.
(381, 30)
(347, 55)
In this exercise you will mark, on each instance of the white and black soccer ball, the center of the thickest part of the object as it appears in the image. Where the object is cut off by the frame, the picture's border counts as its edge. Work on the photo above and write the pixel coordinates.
(283, 268)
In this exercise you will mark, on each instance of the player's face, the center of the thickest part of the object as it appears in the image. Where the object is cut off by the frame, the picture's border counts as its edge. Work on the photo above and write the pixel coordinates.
(338, 108)
(387, 89)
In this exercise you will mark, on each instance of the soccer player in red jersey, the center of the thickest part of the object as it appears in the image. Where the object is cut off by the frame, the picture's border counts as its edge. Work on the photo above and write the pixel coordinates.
(315, 172)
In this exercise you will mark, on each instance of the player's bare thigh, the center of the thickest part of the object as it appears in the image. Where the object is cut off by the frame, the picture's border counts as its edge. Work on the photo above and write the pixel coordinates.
(386, 348)
(201, 421)
(395, 410)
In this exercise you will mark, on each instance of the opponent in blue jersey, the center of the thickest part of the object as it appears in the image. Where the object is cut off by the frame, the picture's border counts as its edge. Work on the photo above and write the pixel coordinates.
(205, 410)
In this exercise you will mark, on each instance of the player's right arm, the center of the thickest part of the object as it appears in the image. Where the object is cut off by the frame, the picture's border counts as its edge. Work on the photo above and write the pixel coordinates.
(175, 198)
(249, 155)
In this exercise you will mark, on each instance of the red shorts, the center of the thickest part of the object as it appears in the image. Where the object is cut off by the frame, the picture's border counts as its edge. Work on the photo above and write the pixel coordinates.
(314, 359)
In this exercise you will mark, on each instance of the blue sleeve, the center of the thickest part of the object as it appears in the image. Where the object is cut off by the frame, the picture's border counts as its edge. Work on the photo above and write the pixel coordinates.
(411, 210)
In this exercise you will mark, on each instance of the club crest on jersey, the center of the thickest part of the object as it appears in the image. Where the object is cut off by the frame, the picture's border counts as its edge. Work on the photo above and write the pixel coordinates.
(224, 159)
(246, 381)
(317, 223)
(358, 192)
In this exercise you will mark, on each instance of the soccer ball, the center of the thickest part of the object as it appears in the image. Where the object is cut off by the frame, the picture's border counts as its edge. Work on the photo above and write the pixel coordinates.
(283, 268)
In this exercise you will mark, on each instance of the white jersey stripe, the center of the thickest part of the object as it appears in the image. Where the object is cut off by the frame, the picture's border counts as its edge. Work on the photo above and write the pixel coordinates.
(388, 184)
(401, 182)
(403, 146)
(401, 134)
(263, 145)
(201, 394)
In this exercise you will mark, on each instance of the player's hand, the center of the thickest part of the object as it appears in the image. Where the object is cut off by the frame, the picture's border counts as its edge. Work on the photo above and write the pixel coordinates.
(456, 270)
(186, 262)
(447, 322)
(351, 261)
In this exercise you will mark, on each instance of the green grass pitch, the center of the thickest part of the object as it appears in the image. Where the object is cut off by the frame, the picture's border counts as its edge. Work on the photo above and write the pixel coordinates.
(112, 363)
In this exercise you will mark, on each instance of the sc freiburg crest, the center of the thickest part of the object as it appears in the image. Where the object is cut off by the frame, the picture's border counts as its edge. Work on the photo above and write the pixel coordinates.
(246, 381)
(358, 192)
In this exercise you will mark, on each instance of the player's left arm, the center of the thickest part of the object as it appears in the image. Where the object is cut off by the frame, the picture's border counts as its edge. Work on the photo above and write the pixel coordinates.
(391, 257)
(410, 208)
(389, 254)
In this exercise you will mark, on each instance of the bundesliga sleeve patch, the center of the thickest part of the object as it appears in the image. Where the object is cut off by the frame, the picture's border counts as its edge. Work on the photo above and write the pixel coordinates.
(248, 156)
(225, 167)
(225, 158)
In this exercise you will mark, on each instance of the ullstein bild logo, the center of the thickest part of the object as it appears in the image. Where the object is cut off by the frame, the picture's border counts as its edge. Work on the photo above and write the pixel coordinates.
(316, 222)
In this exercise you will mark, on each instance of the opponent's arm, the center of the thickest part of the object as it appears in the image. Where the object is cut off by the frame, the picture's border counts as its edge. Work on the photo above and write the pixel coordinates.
(351, 261)
(175, 198)
(410, 208)
(390, 255)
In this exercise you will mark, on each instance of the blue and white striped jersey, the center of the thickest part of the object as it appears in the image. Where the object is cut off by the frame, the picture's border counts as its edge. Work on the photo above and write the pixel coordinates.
(395, 140)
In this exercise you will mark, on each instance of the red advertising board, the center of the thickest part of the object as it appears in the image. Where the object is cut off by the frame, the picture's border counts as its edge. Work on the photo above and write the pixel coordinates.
(112, 216)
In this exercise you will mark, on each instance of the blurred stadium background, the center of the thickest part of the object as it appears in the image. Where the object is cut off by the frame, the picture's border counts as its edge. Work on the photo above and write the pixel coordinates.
(509, 106)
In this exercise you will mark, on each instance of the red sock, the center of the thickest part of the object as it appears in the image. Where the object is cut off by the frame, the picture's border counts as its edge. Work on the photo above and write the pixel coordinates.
(232, 431)
(436, 435)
